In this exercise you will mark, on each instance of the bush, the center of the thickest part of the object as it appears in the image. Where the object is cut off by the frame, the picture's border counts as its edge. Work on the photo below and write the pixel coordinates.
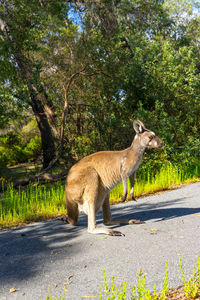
(14, 149)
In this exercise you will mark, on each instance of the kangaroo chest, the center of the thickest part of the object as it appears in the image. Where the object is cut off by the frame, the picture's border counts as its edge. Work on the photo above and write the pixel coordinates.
(113, 176)
(130, 164)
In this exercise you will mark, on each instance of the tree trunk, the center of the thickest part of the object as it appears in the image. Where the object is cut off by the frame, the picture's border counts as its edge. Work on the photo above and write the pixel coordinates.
(29, 76)
(27, 72)
(48, 146)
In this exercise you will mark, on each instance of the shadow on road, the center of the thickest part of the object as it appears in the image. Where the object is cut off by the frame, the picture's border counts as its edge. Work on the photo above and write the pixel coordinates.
(24, 250)
(161, 211)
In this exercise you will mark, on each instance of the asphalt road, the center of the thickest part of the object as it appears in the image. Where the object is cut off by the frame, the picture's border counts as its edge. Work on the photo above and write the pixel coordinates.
(54, 255)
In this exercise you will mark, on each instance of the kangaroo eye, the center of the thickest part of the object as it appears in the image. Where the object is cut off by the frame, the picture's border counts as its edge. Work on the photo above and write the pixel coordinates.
(151, 137)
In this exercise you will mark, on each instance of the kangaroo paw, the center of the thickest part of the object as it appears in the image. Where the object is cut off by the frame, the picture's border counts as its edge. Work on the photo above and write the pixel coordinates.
(133, 221)
(115, 233)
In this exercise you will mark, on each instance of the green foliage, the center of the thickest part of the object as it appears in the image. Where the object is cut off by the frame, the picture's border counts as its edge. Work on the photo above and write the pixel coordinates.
(33, 148)
(120, 292)
(165, 284)
(82, 146)
(193, 285)
(111, 61)
(31, 204)
(50, 297)
(140, 292)
(41, 202)
(20, 147)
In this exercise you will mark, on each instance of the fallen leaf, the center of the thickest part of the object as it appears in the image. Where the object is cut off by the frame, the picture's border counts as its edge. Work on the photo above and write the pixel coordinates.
(153, 229)
(198, 215)
(67, 280)
(12, 290)
(54, 284)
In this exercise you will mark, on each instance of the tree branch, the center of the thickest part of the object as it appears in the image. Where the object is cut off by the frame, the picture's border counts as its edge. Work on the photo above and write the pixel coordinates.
(41, 178)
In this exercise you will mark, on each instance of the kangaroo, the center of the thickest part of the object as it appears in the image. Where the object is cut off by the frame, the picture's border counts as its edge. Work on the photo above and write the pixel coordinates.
(90, 181)
(154, 143)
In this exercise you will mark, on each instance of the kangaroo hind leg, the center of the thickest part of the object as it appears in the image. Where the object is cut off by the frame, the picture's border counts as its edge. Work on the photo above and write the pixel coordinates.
(72, 212)
(93, 198)
(108, 218)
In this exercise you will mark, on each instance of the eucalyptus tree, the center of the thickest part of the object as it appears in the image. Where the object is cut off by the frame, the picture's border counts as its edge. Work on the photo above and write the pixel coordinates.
(25, 27)
(115, 34)
(88, 67)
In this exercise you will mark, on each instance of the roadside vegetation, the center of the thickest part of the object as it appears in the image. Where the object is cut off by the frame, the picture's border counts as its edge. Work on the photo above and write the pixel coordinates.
(40, 202)
(189, 289)
(111, 291)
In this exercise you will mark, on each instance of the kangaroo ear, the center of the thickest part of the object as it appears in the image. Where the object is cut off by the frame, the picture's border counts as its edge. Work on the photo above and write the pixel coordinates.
(138, 126)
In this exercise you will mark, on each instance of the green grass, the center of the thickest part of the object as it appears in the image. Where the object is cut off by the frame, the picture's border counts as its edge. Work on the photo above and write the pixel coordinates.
(189, 290)
(50, 297)
(168, 177)
(19, 206)
(192, 287)
(40, 202)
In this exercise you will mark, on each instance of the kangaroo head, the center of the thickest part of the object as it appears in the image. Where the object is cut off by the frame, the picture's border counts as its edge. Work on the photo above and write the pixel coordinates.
(146, 137)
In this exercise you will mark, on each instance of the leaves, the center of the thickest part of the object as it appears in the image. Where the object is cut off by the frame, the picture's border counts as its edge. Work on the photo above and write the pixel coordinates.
(132, 60)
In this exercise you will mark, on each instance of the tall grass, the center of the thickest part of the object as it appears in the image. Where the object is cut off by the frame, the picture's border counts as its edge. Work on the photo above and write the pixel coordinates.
(19, 206)
(167, 177)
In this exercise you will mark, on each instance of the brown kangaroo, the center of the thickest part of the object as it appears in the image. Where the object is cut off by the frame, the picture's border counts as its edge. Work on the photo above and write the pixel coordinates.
(90, 181)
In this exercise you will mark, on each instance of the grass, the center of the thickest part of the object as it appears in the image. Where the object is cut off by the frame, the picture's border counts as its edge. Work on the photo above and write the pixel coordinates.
(188, 290)
(40, 202)
(19, 206)
(50, 297)
(192, 287)
(168, 177)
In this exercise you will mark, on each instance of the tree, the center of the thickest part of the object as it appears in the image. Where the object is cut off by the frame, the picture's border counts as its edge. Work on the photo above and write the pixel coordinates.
(88, 68)
(24, 27)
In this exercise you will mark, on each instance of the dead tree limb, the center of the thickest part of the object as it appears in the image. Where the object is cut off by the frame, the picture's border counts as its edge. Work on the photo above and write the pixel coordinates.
(41, 178)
